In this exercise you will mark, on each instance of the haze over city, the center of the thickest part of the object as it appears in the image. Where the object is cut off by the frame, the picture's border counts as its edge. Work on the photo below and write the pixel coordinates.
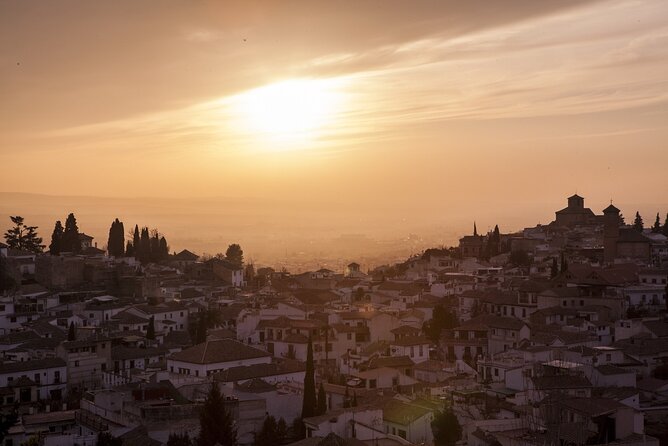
(304, 121)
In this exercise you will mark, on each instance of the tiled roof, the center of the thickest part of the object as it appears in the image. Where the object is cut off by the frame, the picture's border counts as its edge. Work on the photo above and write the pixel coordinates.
(37, 364)
(259, 371)
(216, 351)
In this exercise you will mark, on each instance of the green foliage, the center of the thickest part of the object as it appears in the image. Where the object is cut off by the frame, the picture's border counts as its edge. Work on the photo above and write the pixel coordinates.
(446, 428)
(182, 439)
(309, 404)
(638, 224)
(116, 241)
(441, 319)
(23, 237)
(56, 239)
(235, 255)
(216, 424)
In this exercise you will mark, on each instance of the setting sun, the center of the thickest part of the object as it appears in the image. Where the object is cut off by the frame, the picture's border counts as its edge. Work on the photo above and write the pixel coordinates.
(289, 110)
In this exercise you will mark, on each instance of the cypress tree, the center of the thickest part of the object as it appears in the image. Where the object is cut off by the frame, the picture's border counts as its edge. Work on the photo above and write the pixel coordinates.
(129, 249)
(70, 240)
(136, 240)
(164, 249)
(657, 225)
(56, 239)
(116, 242)
(309, 403)
(144, 251)
(72, 332)
(665, 226)
(216, 424)
(150, 330)
(322, 400)
(638, 223)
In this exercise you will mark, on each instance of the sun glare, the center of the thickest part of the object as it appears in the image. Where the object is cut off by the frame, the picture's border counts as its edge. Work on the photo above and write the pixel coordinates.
(293, 110)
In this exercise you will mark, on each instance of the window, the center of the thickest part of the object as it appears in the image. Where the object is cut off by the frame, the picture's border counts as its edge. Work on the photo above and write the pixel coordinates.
(56, 377)
(372, 384)
(350, 336)
(76, 363)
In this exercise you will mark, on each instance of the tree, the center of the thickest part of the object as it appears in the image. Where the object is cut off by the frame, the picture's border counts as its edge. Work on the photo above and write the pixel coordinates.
(144, 250)
(56, 239)
(267, 434)
(446, 428)
(136, 241)
(281, 431)
(72, 332)
(150, 330)
(116, 242)
(554, 270)
(656, 228)
(129, 249)
(7, 281)
(70, 240)
(441, 319)
(182, 439)
(322, 401)
(7, 420)
(520, 258)
(23, 237)
(665, 226)
(200, 330)
(309, 403)
(216, 424)
(106, 439)
(235, 255)
(638, 223)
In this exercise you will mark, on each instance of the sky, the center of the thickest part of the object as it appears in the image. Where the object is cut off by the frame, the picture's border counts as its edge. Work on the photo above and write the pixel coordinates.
(437, 111)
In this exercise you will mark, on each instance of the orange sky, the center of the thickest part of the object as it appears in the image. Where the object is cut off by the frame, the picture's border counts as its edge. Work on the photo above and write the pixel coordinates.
(441, 106)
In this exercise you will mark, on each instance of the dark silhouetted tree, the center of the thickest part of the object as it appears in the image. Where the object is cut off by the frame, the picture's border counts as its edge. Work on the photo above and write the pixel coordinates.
(267, 434)
(520, 258)
(106, 439)
(322, 400)
(554, 269)
(150, 330)
(182, 439)
(56, 239)
(71, 241)
(664, 230)
(442, 319)
(200, 332)
(657, 225)
(446, 428)
(163, 252)
(23, 237)
(116, 241)
(281, 431)
(136, 241)
(72, 332)
(235, 255)
(7, 280)
(129, 249)
(216, 424)
(638, 223)
(309, 403)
